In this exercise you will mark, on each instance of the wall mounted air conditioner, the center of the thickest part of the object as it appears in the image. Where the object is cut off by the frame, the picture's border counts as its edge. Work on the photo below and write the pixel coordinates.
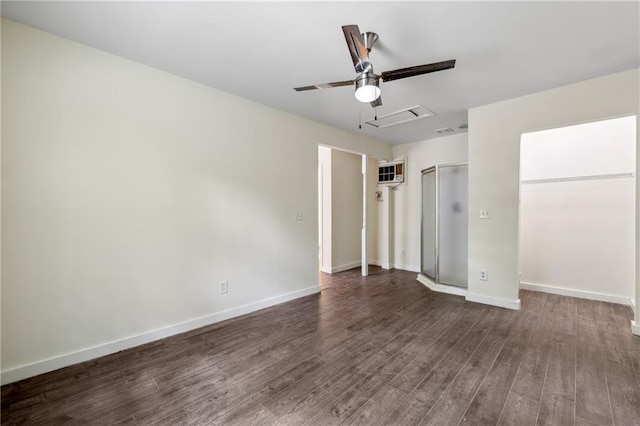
(391, 172)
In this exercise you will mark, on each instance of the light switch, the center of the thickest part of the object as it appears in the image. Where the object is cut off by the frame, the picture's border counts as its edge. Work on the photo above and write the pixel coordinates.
(299, 215)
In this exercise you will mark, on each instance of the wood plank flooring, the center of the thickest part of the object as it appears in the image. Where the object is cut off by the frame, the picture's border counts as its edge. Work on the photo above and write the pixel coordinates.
(381, 350)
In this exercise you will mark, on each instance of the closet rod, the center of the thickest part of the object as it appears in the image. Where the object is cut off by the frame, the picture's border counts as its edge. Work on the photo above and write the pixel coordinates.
(578, 178)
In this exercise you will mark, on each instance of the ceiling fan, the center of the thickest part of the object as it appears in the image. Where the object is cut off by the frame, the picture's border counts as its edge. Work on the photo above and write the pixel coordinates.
(368, 83)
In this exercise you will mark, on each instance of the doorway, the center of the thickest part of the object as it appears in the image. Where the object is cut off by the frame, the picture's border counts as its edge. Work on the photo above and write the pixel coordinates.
(347, 210)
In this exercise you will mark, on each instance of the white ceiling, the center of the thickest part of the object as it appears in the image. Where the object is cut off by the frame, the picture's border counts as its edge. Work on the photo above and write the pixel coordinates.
(261, 50)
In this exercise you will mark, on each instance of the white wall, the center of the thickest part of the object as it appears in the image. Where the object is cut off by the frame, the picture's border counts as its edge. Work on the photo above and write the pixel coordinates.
(375, 232)
(635, 324)
(578, 237)
(407, 197)
(494, 159)
(129, 194)
(325, 200)
(383, 253)
(596, 148)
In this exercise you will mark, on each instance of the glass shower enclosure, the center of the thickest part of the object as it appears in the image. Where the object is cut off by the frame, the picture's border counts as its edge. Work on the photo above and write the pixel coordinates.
(445, 213)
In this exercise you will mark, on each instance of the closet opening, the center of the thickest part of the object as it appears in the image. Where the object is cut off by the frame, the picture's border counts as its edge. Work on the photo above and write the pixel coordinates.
(577, 210)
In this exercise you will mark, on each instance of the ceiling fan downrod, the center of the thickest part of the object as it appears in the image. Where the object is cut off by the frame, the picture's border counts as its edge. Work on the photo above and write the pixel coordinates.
(369, 40)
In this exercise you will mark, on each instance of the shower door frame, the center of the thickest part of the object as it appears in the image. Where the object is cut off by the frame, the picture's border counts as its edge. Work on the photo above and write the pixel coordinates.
(436, 234)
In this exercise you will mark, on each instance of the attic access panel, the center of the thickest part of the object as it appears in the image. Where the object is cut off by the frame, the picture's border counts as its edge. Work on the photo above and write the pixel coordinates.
(417, 112)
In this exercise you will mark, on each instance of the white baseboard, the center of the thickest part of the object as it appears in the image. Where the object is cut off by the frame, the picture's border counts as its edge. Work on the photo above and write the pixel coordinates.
(358, 264)
(54, 363)
(494, 301)
(635, 328)
(441, 288)
(383, 265)
(582, 294)
(410, 268)
(346, 267)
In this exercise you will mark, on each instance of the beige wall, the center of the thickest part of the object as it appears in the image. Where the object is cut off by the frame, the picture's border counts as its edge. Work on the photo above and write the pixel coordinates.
(130, 193)
(346, 210)
(407, 197)
(494, 158)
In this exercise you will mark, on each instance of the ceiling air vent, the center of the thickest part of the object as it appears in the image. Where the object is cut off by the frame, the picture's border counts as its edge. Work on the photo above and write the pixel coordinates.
(444, 130)
(403, 116)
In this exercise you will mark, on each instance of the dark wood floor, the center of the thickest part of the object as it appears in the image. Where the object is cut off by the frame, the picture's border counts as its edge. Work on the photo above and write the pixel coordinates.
(377, 351)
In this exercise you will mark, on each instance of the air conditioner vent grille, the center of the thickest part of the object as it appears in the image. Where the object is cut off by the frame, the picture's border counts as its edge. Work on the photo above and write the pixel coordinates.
(391, 172)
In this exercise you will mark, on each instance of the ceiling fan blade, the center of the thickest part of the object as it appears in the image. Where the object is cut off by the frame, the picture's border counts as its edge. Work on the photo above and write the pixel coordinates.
(357, 48)
(417, 70)
(377, 102)
(325, 85)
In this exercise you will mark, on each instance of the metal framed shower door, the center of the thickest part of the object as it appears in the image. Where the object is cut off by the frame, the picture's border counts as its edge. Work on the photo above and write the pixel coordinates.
(431, 232)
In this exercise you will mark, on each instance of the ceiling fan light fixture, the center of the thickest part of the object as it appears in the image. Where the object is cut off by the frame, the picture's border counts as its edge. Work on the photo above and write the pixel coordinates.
(367, 89)
(368, 83)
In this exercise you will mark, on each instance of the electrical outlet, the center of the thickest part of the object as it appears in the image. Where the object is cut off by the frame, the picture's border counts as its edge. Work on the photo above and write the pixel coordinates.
(224, 287)
(484, 214)
(483, 275)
